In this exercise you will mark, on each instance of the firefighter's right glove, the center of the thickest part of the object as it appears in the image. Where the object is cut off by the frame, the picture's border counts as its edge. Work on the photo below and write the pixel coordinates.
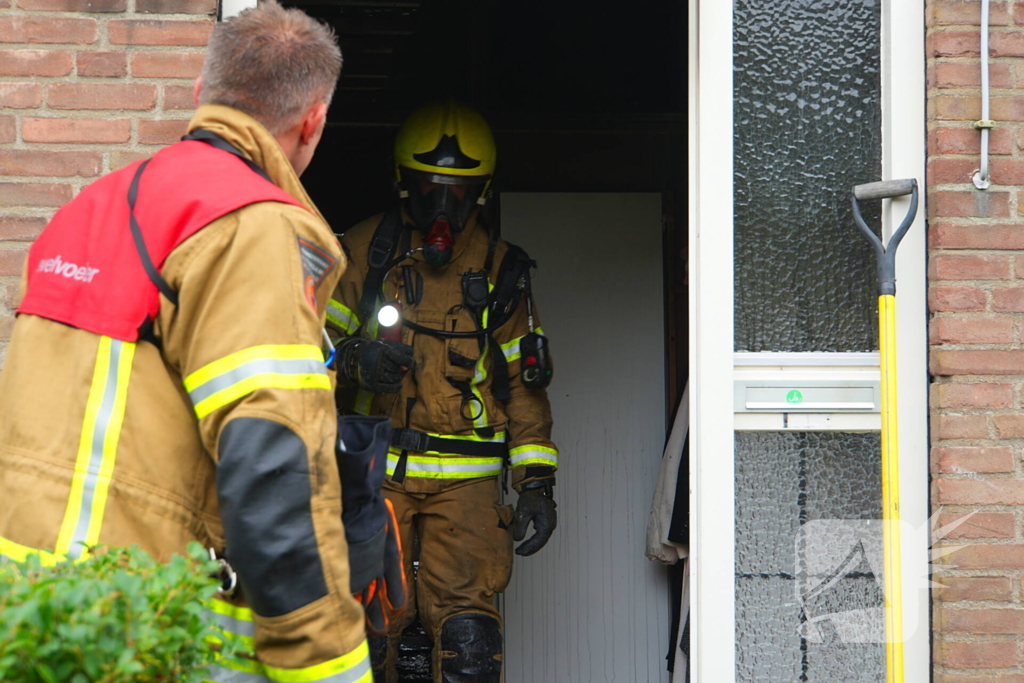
(376, 564)
(377, 365)
(536, 504)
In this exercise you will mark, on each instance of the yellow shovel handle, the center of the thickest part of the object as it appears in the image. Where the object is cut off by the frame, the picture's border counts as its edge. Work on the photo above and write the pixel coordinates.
(890, 491)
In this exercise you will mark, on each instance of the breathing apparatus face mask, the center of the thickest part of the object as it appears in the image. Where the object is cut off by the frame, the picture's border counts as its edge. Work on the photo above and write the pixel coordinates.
(440, 206)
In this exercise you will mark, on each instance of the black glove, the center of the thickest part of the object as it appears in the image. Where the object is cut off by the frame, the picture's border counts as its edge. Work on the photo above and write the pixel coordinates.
(376, 565)
(536, 504)
(377, 365)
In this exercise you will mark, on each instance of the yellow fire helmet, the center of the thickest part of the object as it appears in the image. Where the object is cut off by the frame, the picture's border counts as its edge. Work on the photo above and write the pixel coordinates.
(448, 143)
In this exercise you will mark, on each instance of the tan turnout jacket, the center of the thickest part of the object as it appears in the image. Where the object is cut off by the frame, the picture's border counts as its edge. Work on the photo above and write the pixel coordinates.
(236, 406)
(439, 408)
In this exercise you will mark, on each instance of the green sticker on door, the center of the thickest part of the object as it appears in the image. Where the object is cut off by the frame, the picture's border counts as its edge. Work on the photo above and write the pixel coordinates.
(794, 396)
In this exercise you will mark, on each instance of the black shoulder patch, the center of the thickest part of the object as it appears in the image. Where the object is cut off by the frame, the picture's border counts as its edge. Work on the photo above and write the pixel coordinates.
(264, 493)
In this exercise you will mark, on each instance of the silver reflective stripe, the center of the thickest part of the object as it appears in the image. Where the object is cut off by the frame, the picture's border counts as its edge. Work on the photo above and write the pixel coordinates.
(526, 455)
(260, 366)
(442, 467)
(99, 437)
(239, 627)
(341, 317)
(220, 674)
(512, 350)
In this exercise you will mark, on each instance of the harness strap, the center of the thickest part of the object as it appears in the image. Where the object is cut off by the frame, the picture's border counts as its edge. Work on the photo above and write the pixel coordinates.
(415, 441)
(403, 459)
(140, 244)
(382, 247)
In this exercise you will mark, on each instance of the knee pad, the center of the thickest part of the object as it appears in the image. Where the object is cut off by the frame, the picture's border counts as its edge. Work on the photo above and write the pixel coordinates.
(471, 649)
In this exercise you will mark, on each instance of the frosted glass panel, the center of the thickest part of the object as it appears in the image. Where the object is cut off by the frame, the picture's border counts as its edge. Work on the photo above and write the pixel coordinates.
(807, 128)
(809, 603)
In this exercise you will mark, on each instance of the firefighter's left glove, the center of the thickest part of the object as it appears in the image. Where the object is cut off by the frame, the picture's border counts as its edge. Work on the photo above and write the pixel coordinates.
(376, 564)
(536, 504)
(377, 365)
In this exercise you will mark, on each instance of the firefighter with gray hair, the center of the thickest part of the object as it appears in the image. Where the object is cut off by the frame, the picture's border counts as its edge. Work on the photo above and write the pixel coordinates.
(167, 379)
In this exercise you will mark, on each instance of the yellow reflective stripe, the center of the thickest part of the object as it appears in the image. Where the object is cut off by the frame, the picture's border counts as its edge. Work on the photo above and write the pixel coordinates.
(281, 366)
(533, 455)
(446, 467)
(342, 316)
(511, 349)
(353, 667)
(19, 553)
(97, 447)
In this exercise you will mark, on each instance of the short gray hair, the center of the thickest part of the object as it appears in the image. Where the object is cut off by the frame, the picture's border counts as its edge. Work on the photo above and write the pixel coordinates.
(271, 63)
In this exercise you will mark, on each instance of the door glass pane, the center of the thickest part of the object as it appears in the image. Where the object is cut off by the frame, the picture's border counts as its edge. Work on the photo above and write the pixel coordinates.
(809, 601)
(807, 111)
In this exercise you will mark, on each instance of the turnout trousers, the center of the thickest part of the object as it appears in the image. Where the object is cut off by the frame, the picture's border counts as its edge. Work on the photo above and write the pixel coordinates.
(462, 538)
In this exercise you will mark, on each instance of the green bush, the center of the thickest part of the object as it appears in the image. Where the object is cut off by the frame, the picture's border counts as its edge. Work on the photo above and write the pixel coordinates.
(116, 617)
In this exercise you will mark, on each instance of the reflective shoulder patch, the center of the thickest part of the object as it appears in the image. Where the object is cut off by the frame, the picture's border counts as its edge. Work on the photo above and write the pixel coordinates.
(264, 493)
(317, 264)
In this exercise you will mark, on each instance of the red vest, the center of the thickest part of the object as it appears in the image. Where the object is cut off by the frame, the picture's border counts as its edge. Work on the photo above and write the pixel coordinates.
(84, 269)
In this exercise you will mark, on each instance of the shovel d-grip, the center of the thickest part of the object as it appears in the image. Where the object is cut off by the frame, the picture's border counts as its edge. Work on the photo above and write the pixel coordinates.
(886, 189)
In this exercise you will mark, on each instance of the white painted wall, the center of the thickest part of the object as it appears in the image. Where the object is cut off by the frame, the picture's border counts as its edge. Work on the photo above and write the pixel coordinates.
(590, 606)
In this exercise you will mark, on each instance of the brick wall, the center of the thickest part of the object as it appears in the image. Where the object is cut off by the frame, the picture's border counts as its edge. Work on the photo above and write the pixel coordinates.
(86, 87)
(976, 294)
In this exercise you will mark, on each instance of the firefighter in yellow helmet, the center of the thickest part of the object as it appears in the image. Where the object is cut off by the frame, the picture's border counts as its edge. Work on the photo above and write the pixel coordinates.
(439, 332)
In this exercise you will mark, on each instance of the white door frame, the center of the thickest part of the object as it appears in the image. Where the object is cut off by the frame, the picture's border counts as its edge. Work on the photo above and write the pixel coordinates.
(712, 494)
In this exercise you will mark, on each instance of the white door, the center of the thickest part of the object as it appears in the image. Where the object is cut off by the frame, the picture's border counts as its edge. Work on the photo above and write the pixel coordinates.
(590, 606)
(792, 103)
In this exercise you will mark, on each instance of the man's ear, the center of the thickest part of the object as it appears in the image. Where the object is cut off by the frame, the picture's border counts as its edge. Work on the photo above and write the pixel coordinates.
(312, 123)
(197, 89)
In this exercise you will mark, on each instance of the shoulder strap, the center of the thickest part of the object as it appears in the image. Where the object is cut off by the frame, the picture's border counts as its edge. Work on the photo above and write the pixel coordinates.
(140, 244)
(382, 248)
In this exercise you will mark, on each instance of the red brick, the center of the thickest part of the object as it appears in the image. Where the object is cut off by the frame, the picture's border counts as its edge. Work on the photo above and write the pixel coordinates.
(102, 64)
(974, 588)
(1006, 108)
(951, 171)
(35, 194)
(76, 130)
(946, 677)
(960, 427)
(989, 362)
(1010, 426)
(1008, 299)
(119, 160)
(101, 96)
(74, 5)
(159, 32)
(167, 64)
(972, 395)
(951, 12)
(7, 130)
(989, 621)
(956, 299)
(20, 228)
(948, 236)
(1018, 266)
(21, 95)
(1006, 44)
(969, 267)
(6, 327)
(163, 132)
(12, 261)
(36, 29)
(5, 4)
(954, 108)
(178, 98)
(968, 141)
(979, 525)
(970, 204)
(983, 655)
(972, 460)
(12, 295)
(968, 75)
(1018, 14)
(971, 331)
(176, 6)
(36, 162)
(954, 44)
(1008, 171)
(35, 62)
(1010, 678)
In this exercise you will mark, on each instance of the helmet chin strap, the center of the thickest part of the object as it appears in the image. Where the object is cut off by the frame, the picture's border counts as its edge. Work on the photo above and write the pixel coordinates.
(439, 245)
